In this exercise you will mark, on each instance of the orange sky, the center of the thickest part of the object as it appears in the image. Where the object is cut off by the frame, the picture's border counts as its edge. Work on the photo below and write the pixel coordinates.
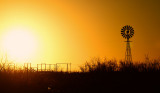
(78, 30)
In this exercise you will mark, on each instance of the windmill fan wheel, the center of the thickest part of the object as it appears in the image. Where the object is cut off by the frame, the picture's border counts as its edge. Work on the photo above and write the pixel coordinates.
(127, 32)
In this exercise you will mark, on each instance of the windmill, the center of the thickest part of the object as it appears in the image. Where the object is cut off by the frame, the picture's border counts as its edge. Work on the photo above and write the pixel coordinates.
(127, 32)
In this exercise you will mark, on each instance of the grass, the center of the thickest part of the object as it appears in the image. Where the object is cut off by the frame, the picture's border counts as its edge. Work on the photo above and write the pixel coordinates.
(96, 76)
(97, 65)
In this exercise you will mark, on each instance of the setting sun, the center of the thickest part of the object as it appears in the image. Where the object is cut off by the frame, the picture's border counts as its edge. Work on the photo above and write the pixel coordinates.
(19, 44)
(84, 46)
(74, 31)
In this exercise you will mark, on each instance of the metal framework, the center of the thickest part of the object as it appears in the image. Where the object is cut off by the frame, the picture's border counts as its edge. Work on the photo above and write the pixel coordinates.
(43, 67)
(67, 64)
(52, 67)
(128, 55)
(127, 32)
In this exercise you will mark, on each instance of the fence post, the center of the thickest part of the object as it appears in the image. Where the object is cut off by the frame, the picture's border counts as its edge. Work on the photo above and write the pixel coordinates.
(37, 67)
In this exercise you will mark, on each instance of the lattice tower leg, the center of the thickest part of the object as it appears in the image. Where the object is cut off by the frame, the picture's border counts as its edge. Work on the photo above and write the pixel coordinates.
(128, 55)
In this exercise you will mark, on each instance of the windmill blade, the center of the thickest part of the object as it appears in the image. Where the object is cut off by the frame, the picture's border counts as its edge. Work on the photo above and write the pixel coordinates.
(124, 31)
(123, 35)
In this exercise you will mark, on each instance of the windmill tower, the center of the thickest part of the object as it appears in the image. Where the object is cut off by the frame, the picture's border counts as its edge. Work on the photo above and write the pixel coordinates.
(127, 32)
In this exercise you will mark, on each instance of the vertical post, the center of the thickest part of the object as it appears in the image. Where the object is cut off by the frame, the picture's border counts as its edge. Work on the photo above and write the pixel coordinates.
(56, 67)
(27, 73)
(30, 66)
(41, 66)
(27, 67)
(67, 67)
(49, 67)
(70, 67)
(45, 67)
(37, 67)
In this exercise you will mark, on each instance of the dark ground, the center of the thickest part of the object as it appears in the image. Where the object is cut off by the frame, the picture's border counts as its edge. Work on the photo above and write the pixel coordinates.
(89, 82)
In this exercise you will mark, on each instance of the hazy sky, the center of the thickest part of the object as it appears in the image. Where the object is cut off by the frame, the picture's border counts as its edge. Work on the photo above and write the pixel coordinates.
(77, 30)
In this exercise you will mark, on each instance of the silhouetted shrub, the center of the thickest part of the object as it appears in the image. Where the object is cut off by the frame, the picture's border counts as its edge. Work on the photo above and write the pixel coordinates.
(97, 65)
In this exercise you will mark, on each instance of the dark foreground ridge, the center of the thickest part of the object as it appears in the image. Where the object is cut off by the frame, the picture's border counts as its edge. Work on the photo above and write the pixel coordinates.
(59, 82)
(100, 77)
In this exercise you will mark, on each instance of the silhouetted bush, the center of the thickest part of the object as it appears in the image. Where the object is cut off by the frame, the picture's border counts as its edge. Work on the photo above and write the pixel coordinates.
(97, 65)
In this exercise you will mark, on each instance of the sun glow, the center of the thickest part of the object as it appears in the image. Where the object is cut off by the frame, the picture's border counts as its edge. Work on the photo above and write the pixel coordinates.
(19, 44)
